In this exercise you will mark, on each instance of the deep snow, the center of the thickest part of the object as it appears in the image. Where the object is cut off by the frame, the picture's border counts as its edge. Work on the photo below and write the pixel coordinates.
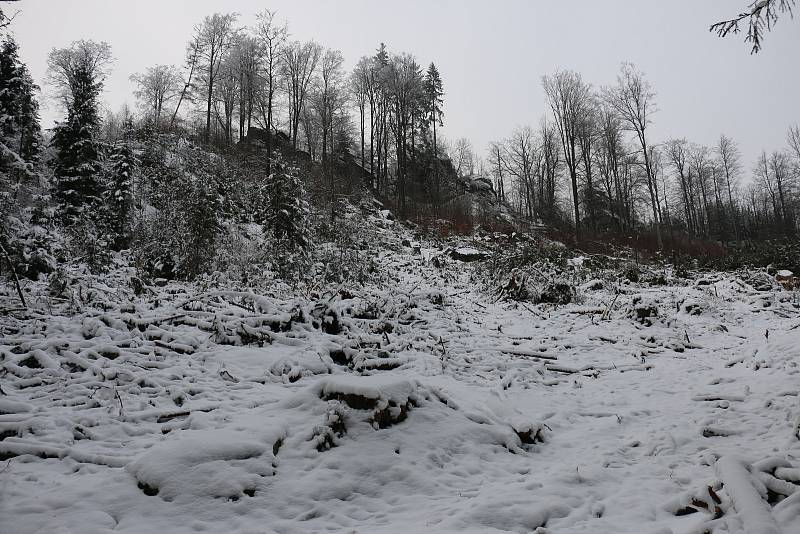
(421, 406)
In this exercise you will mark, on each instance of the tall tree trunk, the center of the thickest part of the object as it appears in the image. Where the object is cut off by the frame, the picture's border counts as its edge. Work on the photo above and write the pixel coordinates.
(210, 94)
(242, 105)
(362, 112)
(734, 213)
(573, 175)
(438, 199)
(653, 191)
(186, 87)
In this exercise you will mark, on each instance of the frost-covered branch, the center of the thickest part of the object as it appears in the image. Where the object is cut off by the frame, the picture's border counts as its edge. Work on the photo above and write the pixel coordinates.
(761, 14)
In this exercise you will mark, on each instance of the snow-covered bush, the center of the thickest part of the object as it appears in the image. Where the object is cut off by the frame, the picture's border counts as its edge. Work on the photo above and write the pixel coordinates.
(27, 236)
(643, 310)
(241, 252)
(516, 287)
(89, 243)
(179, 239)
(556, 292)
(349, 246)
(182, 209)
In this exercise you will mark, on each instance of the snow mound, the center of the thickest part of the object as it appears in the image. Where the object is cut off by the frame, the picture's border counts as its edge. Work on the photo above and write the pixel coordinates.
(11, 407)
(520, 516)
(372, 389)
(388, 398)
(203, 463)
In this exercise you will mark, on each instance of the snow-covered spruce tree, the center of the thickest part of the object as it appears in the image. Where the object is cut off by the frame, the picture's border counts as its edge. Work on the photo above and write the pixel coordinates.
(77, 166)
(77, 73)
(118, 195)
(24, 238)
(78, 190)
(201, 208)
(20, 134)
(288, 218)
(289, 211)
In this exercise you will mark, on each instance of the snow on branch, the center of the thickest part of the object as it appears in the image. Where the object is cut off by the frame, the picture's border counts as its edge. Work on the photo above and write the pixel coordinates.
(761, 14)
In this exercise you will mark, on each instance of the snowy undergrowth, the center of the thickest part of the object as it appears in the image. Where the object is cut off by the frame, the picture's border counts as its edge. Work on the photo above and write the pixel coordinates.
(410, 404)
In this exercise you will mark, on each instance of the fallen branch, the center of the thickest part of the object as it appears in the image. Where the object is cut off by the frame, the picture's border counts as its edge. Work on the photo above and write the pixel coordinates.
(531, 310)
(588, 370)
(709, 397)
(528, 353)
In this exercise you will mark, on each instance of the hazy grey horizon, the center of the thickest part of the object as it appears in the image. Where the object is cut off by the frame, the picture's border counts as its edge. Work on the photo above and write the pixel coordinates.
(491, 55)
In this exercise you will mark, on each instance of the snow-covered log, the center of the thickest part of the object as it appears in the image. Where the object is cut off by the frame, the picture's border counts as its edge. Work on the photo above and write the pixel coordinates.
(747, 495)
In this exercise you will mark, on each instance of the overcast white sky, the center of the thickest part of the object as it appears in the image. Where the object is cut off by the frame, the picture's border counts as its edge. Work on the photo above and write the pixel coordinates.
(491, 53)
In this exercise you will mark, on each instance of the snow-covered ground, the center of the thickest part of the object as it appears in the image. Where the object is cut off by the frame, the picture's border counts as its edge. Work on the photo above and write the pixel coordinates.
(418, 406)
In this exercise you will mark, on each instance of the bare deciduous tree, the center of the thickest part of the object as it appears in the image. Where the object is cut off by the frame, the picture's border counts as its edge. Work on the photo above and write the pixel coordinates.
(299, 64)
(632, 99)
(360, 88)
(700, 166)
(245, 62)
(192, 58)
(66, 65)
(521, 159)
(273, 37)
(610, 160)
(214, 37)
(730, 165)
(328, 95)
(587, 135)
(463, 157)
(155, 87)
(568, 97)
(328, 99)
(678, 155)
(793, 137)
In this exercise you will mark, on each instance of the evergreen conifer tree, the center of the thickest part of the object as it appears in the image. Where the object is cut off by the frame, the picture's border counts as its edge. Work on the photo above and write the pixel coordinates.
(19, 111)
(289, 212)
(434, 91)
(118, 201)
(77, 166)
